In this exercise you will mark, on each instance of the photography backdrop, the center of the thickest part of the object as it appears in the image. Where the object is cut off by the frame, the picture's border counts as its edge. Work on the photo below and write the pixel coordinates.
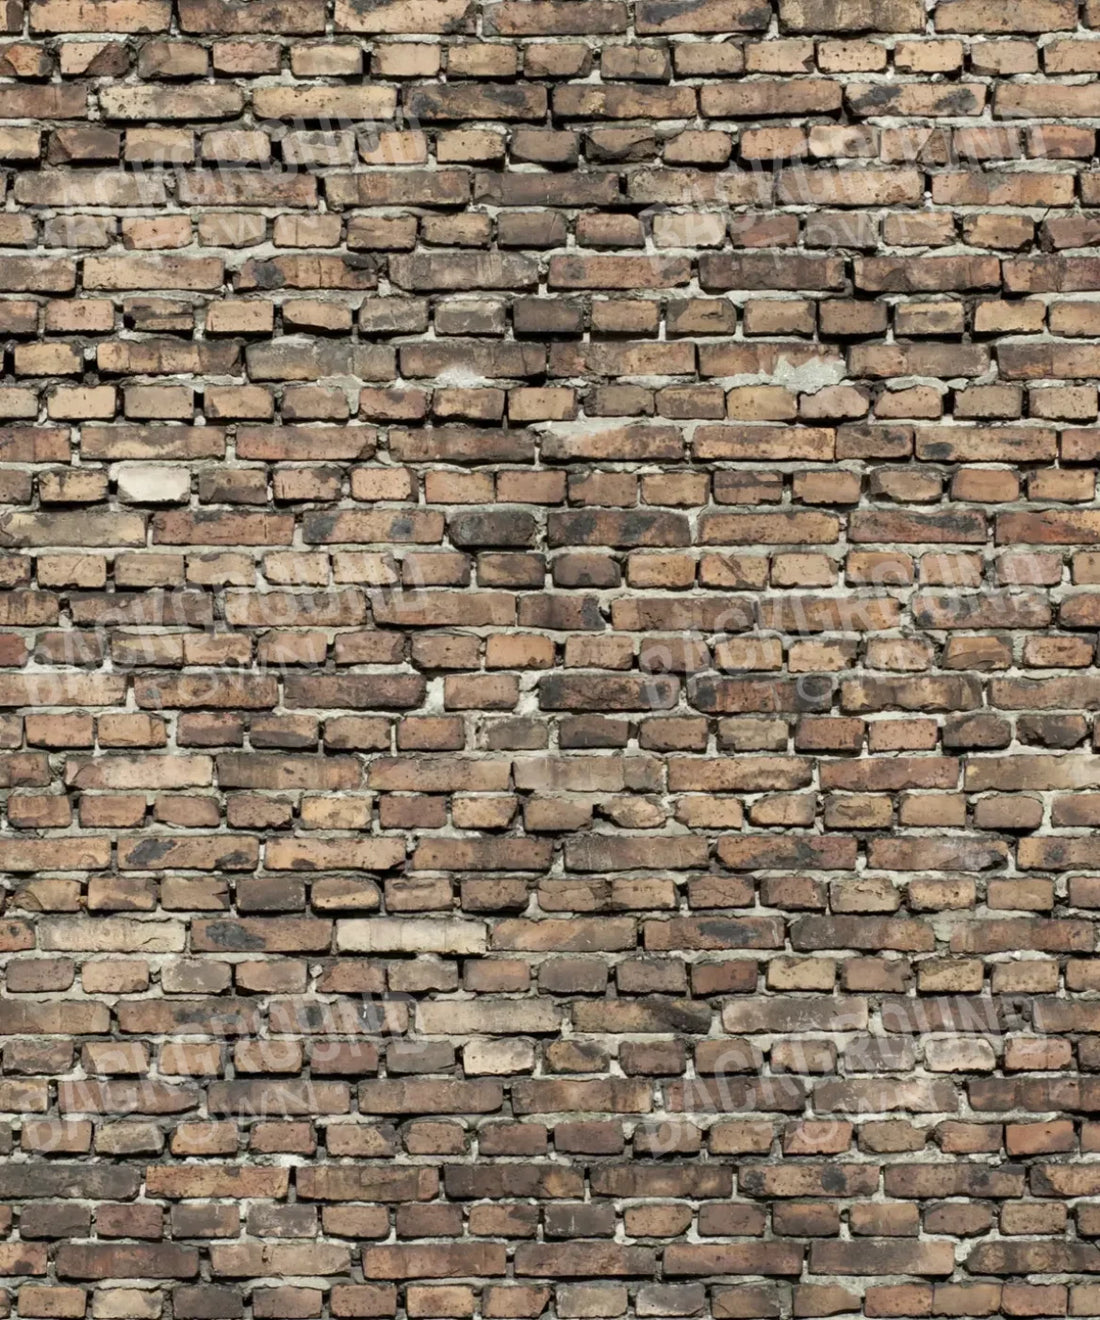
(549, 593)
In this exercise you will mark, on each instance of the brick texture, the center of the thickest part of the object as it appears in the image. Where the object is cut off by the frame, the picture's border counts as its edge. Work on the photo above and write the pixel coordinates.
(549, 594)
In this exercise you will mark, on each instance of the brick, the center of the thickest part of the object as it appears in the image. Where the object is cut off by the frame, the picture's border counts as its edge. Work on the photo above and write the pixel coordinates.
(103, 1261)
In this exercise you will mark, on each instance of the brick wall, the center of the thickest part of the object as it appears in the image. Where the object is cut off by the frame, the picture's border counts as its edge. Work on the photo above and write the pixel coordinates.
(549, 606)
